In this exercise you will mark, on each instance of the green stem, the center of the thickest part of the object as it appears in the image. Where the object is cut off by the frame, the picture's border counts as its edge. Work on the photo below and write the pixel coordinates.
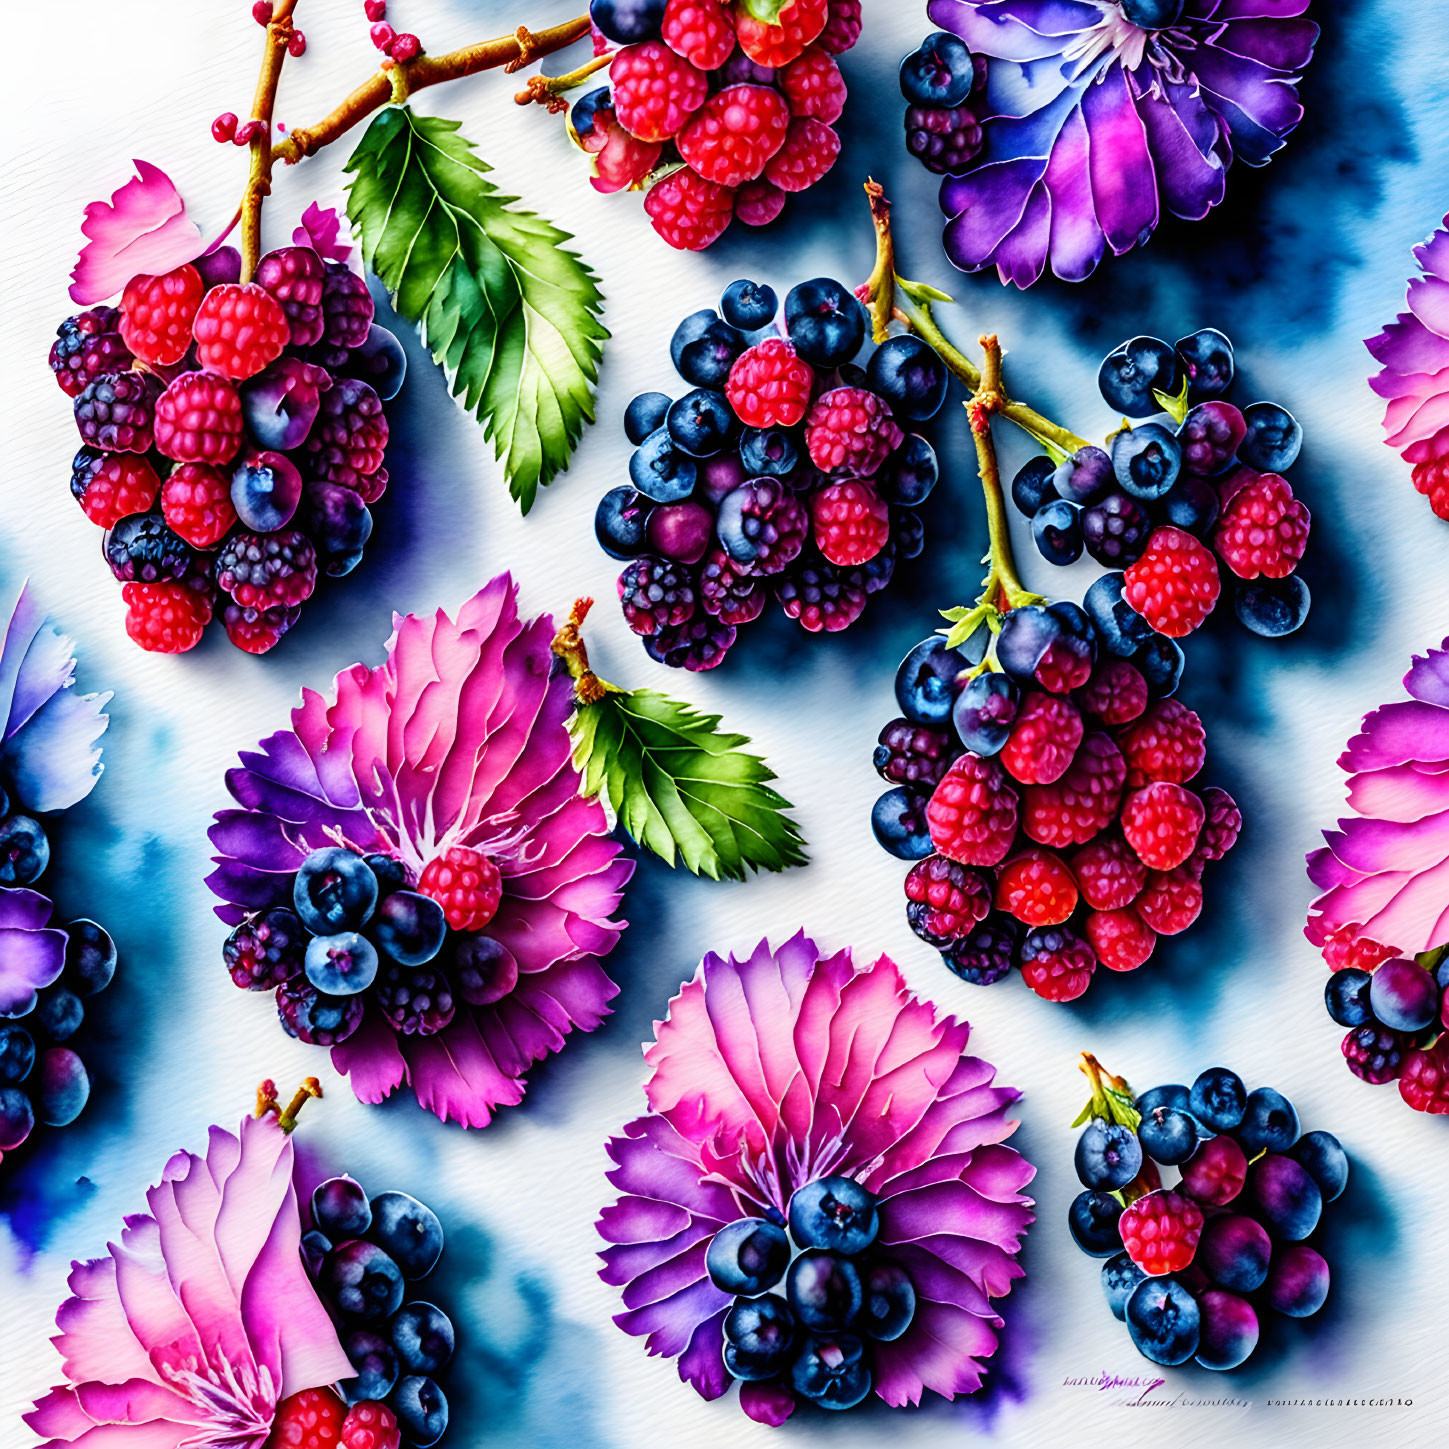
(985, 400)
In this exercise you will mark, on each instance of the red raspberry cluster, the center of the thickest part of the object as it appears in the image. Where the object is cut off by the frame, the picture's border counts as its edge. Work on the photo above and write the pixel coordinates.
(233, 437)
(318, 1419)
(720, 114)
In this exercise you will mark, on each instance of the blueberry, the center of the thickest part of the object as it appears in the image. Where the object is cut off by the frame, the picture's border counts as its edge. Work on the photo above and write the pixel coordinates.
(376, 1365)
(1120, 1275)
(339, 1209)
(898, 819)
(702, 423)
(380, 361)
(985, 711)
(1034, 638)
(909, 375)
(928, 680)
(60, 1086)
(1056, 529)
(422, 1335)
(1147, 460)
(410, 927)
(749, 305)
(1108, 1155)
(941, 73)
(1403, 995)
(1164, 1321)
(24, 851)
(1272, 607)
(1274, 438)
(315, 1247)
(1034, 484)
(909, 474)
(662, 470)
(17, 1054)
(988, 953)
(1218, 1098)
(831, 1371)
(824, 1289)
(1270, 1122)
(834, 1212)
(1322, 1156)
(619, 522)
(1119, 626)
(825, 320)
(1092, 1219)
(1207, 359)
(483, 970)
(418, 1402)
(760, 1337)
(1152, 14)
(409, 1230)
(747, 1256)
(339, 524)
(645, 414)
(1131, 376)
(341, 965)
(1115, 530)
(1288, 1198)
(1190, 504)
(392, 875)
(1173, 1095)
(363, 1281)
(769, 452)
(1297, 1282)
(889, 1303)
(1228, 1332)
(682, 531)
(628, 22)
(587, 115)
(59, 1013)
(90, 958)
(704, 348)
(1168, 1135)
(280, 404)
(265, 491)
(908, 533)
(17, 1118)
(1234, 1252)
(334, 891)
(1160, 661)
(1085, 476)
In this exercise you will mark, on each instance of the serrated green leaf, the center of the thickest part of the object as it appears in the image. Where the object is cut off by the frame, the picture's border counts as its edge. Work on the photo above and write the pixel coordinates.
(509, 314)
(765, 11)
(682, 787)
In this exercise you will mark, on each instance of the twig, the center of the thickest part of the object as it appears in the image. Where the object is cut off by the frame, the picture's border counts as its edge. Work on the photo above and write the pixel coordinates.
(259, 173)
(569, 645)
(986, 400)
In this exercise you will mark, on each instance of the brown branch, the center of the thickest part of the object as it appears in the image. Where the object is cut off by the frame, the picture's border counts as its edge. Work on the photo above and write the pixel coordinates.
(259, 174)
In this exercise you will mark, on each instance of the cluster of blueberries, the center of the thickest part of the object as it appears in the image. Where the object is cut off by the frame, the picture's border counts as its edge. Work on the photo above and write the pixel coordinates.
(839, 1297)
(364, 1256)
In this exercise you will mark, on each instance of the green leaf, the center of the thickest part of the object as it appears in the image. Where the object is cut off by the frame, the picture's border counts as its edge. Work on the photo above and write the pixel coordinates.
(765, 11)
(509, 314)
(680, 786)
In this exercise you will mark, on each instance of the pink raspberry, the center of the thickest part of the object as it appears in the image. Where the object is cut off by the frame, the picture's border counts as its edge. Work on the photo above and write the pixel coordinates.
(655, 91)
(800, 22)
(370, 1425)
(1116, 693)
(1222, 824)
(731, 137)
(821, 595)
(810, 150)
(1057, 964)
(1162, 823)
(1043, 739)
(1037, 888)
(699, 30)
(1171, 900)
(973, 812)
(758, 203)
(256, 631)
(295, 277)
(1161, 1232)
(1109, 873)
(1122, 940)
(467, 885)
(1431, 477)
(842, 29)
(728, 592)
(852, 521)
(769, 385)
(199, 419)
(165, 618)
(814, 87)
(851, 430)
(1214, 1175)
(946, 898)
(620, 160)
(687, 211)
(88, 346)
(1424, 1084)
(239, 329)
(1375, 1054)
(311, 1419)
(196, 503)
(1175, 584)
(157, 313)
(108, 486)
(268, 570)
(1083, 803)
(655, 594)
(1167, 743)
(1345, 946)
(1264, 530)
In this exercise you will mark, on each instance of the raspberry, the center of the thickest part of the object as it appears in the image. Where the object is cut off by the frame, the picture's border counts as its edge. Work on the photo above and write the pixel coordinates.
(987, 954)
(1067, 662)
(157, 312)
(370, 1425)
(655, 91)
(466, 884)
(1083, 802)
(620, 160)
(86, 347)
(842, 29)
(821, 595)
(1431, 478)
(1108, 873)
(1167, 743)
(1264, 530)
(758, 203)
(1161, 1232)
(912, 754)
(108, 486)
(295, 277)
(1344, 947)
(196, 502)
(814, 87)
(1162, 823)
(700, 31)
(799, 23)
(309, 1420)
(656, 593)
(1222, 824)
(698, 645)
(1171, 900)
(1214, 1175)
(1375, 1054)
(1175, 584)
(347, 309)
(267, 570)
(687, 211)
(852, 522)
(810, 150)
(946, 899)
(731, 137)
(1122, 940)
(1057, 964)
(769, 385)
(727, 592)
(1043, 739)
(199, 419)
(973, 812)
(1425, 1081)
(850, 430)
(142, 548)
(239, 329)
(116, 412)
(348, 441)
(165, 618)
(266, 950)
(767, 522)
(258, 630)
(1116, 693)
(943, 139)
(1036, 888)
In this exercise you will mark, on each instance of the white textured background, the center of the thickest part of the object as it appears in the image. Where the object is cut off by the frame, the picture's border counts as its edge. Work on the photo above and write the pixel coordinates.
(1301, 263)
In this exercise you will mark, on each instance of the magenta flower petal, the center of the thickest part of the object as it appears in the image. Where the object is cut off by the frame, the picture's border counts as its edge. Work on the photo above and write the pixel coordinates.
(32, 954)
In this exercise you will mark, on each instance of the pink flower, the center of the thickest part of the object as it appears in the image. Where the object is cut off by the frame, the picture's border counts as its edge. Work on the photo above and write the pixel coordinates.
(785, 1067)
(193, 1328)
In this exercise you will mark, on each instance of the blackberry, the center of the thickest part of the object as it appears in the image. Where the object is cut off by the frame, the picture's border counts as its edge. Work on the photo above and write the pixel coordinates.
(912, 754)
(117, 412)
(266, 950)
(946, 899)
(728, 592)
(415, 1002)
(821, 596)
(1116, 530)
(656, 594)
(142, 547)
(875, 573)
(266, 570)
(294, 276)
(943, 140)
(763, 525)
(347, 312)
(698, 645)
(318, 1020)
(86, 346)
(988, 953)
(1375, 1054)
(348, 439)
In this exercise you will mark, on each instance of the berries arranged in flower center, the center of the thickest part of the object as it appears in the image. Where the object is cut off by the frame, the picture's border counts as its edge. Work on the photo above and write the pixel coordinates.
(466, 884)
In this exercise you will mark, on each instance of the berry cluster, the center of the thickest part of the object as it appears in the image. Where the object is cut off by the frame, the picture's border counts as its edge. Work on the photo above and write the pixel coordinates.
(944, 86)
(840, 1298)
(1046, 804)
(1193, 1266)
(364, 1256)
(728, 113)
(784, 472)
(1167, 506)
(1396, 1010)
(233, 437)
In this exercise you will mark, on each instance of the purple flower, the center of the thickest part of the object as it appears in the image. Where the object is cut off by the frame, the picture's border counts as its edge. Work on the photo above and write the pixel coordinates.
(784, 1067)
(1095, 125)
